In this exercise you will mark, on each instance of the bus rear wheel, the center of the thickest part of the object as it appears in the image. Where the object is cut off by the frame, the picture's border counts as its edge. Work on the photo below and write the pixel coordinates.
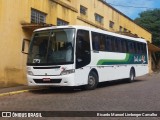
(131, 76)
(92, 81)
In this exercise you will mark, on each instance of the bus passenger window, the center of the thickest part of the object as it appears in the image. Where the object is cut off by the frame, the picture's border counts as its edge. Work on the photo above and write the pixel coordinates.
(113, 44)
(144, 49)
(107, 43)
(123, 44)
(135, 47)
(102, 42)
(130, 47)
(141, 48)
(138, 47)
(95, 41)
(118, 47)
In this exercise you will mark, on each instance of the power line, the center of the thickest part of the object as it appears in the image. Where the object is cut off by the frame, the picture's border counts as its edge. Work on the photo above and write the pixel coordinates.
(130, 6)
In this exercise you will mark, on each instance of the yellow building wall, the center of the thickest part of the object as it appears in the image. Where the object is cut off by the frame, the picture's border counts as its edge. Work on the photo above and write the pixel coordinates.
(12, 14)
(11, 35)
(15, 12)
(95, 6)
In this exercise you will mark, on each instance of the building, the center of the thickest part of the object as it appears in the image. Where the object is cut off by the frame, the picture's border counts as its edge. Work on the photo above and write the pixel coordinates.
(18, 19)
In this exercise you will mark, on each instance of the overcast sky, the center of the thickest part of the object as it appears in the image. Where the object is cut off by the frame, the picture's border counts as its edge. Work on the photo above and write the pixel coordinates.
(133, 12)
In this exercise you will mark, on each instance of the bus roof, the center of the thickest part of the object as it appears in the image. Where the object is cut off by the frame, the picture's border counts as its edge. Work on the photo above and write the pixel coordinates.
(94, 30)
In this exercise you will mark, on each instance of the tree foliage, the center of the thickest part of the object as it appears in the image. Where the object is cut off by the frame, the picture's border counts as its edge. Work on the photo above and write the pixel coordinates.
(150, 20)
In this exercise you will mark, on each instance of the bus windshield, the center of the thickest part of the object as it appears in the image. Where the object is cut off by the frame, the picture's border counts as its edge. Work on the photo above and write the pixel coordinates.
(51, 47)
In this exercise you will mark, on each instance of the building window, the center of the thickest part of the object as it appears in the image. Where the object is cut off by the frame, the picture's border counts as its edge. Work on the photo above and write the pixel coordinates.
(111, 24)
(120, 29)
(125, 30)
(98, 18)
(61, 22)
(83, 10)
(37, 16)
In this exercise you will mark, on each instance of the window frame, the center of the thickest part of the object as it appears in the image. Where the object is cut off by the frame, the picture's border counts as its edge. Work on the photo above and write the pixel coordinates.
(83, 10)
(37, 16)
(62, 21)
(111, 24)
(98, 18)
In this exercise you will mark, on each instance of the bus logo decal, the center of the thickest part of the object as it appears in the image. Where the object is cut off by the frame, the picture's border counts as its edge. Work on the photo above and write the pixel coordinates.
(36, 60)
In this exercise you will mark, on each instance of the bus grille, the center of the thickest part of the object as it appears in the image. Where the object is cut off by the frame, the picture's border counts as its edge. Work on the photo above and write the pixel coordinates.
(50, 81)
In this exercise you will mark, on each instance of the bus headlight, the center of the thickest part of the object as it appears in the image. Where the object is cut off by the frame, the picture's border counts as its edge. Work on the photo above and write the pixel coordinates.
(30, 73)
(65, 72)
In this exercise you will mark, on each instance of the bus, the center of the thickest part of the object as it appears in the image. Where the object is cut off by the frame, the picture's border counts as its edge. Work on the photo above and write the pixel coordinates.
(83, 56)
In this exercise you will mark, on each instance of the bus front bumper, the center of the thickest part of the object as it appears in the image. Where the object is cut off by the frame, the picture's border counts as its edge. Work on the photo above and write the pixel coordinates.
(62, 80)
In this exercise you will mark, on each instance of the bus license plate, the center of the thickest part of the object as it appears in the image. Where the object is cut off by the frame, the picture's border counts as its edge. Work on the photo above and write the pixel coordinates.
(46, 79)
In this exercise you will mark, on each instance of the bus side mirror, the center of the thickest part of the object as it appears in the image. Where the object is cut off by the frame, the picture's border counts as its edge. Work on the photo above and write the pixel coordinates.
(24, 47)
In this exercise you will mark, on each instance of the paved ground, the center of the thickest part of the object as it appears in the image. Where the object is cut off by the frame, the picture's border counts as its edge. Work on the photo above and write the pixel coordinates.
(142, 95)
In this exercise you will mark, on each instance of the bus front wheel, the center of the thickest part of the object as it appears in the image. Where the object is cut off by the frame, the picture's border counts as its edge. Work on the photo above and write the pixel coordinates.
(92, 81)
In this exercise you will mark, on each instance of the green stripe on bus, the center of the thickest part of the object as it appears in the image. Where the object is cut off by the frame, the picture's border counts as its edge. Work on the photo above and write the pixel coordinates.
(113, 61)
(129, 59)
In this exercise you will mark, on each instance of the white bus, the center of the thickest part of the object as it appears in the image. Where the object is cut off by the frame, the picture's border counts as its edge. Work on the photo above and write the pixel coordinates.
(83, 56)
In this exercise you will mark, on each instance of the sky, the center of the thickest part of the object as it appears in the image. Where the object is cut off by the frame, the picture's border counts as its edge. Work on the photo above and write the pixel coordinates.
(132, 8)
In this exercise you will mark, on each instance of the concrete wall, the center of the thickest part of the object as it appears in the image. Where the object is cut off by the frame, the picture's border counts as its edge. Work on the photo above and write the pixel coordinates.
(15, 12)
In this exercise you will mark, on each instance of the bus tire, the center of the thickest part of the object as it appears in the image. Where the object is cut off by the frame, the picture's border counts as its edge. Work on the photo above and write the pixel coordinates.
(92, 81)
(131, 75)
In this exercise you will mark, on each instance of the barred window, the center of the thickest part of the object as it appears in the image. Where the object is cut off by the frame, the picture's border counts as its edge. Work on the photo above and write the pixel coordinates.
(37, 16)
(98, 18)
(83, 10)
(111, 24)
(125, 30)
(61, 22)
(120, 28)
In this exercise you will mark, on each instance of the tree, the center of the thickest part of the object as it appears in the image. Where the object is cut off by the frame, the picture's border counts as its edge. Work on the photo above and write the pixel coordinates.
(150, 20)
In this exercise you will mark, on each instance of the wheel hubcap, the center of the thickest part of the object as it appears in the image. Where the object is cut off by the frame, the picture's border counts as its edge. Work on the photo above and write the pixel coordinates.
(132, 76)
(91, 80)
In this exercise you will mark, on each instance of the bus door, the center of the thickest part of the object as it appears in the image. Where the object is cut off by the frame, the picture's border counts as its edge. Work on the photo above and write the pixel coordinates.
(83, 54)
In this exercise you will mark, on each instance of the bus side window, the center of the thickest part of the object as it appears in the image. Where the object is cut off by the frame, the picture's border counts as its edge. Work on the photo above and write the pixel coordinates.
(126, 44)
(132, 44)
(118, 45)
(112, 44)
(107, 43)
(141, 48)
(123, 44)
(138, 47)
(135, 47)
(102, 42)
(95, 41)
(115, 45)
(130, 47)
(144, 48)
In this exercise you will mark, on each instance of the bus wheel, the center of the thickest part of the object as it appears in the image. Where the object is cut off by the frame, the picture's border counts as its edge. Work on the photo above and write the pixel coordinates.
(92, 81)
(131, 76)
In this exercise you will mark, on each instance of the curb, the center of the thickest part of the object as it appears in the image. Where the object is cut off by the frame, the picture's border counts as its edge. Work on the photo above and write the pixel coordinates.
(16, 92)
